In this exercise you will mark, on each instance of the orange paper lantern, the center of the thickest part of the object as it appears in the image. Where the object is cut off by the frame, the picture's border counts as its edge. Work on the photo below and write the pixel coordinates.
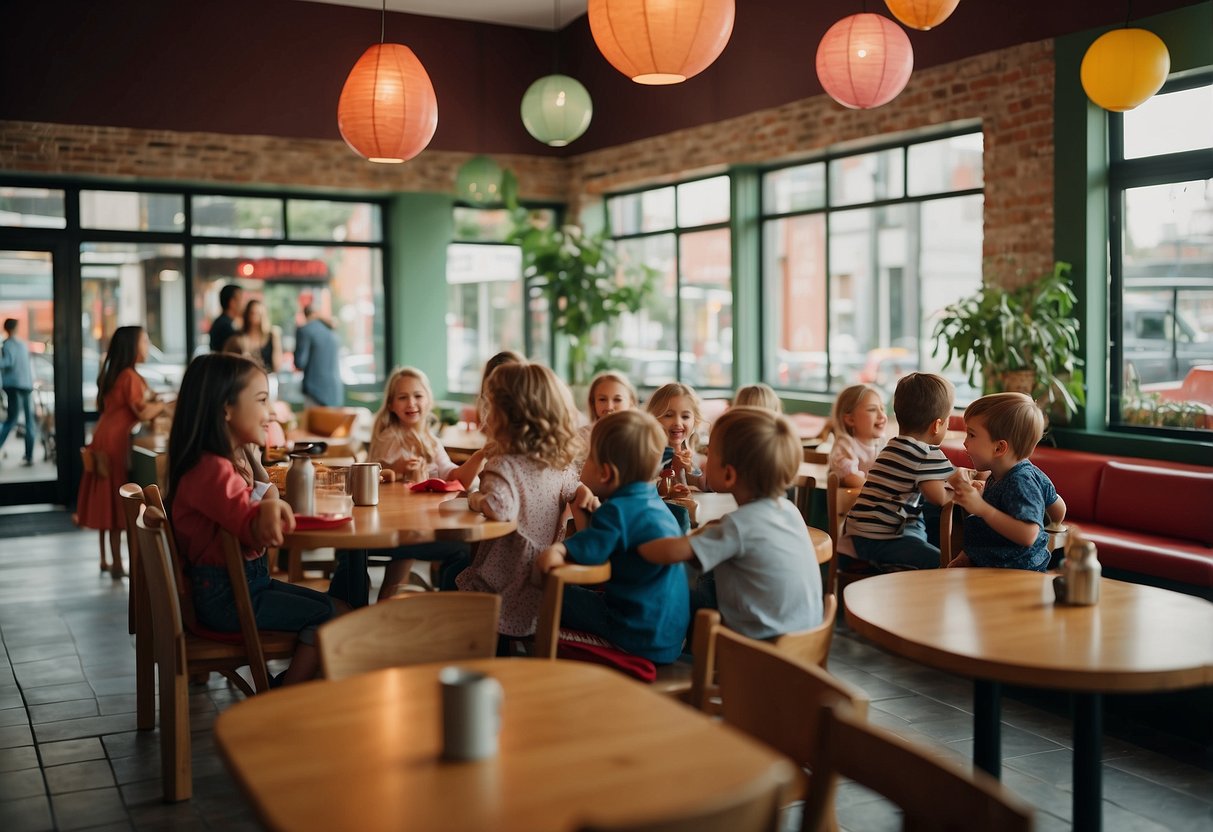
(1124, 68)
(387, 111)
(661, 41)
(864, 60)
(922, 14)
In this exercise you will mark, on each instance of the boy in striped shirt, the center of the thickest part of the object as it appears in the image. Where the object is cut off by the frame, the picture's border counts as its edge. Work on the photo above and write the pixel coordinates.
(885, 525)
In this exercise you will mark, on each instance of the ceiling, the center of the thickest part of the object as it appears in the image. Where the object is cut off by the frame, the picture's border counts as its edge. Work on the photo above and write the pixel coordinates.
(531, 14)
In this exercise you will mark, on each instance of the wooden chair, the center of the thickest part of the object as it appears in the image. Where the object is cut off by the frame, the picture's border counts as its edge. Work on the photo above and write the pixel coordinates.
(752, 808)
(776, 698)
(230, 651)
(932, 794)
(139, 613)
(410, 629)
(811, 646)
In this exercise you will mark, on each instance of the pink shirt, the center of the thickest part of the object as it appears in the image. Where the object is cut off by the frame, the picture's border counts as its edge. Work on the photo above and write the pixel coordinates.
(850, 456)
(388, 448)
(213, 496)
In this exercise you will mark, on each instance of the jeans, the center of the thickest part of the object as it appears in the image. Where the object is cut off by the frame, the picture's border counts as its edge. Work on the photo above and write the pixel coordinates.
(20, 401)
(911, 549)
(585, 610)
(276, 605)
(351, 581)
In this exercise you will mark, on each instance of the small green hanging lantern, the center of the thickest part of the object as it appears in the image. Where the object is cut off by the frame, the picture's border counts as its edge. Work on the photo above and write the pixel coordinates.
(556, 109)
(479, 181)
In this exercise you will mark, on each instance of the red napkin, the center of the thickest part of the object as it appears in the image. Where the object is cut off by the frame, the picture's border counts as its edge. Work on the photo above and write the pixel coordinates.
(438, 485)
(313, 522)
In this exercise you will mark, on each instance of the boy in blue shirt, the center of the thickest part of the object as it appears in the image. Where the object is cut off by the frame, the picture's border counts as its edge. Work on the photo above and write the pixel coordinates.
(766, 577)
(1005, 526)
(645, 609)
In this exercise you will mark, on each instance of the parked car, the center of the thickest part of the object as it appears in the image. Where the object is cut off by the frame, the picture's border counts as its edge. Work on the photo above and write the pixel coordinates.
(1160, 342)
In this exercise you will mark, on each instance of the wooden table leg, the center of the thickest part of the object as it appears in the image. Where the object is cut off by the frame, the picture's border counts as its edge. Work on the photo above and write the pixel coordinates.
(1088, 750)
(987, 729)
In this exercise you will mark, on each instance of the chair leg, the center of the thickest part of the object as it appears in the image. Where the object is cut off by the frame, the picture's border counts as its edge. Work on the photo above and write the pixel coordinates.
(237, 680)
(176, 771)
(145, 664)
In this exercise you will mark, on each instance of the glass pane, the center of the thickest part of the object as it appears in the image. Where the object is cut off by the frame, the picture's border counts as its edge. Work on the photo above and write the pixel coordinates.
(949, 267)
(1170, 123)
(794, 189)
(318, 219)
(27, 296)
(132, 211)
(645, 211)
(946, 165)
(32, 208)
(344, 286)
(1168, 303)
(867, 178)
(483, 311)
(794, 274)
(133, 284)
(644, 344)
(707, 309)
(873, 298)
(237, 216)
(704, 202)
(480, 225)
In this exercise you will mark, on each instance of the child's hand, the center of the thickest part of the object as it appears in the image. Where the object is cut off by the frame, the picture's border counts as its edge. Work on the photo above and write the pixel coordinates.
(959, 561)
(585, 500)
(966, 496)
(679, 491)
(274, 519)
(414, 470)
(683, 460)
(552, 558)
(475, 501)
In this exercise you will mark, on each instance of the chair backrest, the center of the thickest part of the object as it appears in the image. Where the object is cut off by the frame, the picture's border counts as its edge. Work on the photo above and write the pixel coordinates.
(249, 633)
(131, 496)
(185, 595)
(933, 794)
(414, 628)
(946, 520)
(752, 808)
(813, 645)
(776, 698)
(548, 627)
(168, 633)
(838, 502)
(336, 422)
(815, 457)
(804, 498)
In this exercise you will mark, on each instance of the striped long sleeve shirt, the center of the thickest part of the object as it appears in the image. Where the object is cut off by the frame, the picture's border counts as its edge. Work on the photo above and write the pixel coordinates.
(890, 494)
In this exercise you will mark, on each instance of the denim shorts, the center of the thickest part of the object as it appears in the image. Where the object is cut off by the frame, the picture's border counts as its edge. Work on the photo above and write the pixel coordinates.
(276, 605)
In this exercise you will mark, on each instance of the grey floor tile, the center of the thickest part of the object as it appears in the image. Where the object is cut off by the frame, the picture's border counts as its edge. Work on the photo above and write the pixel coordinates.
(37, 652)
(71, 751)
(10, 697)
(29, 814)
(58, 693)
(15, 759)
(115, 685)
(116, 704)
(59, 711)
(142, 793)
(18, 784)
(871, 816)
(175, 816)
(917, 708)
(1156, 768)
(1183, 812)
(130, 743)
(88, 727)
(49, 672)
(80, 810)
(13, 716)
(15, 735)
(133, 769)
(1015, 743)
(78, 777)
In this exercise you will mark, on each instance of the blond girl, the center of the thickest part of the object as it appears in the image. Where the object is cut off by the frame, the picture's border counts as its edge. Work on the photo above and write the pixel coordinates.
(677, 409)
(858, 421)
(757, 395)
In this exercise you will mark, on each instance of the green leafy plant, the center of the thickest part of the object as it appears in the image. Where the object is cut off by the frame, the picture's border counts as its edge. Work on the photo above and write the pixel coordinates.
(1032, 329)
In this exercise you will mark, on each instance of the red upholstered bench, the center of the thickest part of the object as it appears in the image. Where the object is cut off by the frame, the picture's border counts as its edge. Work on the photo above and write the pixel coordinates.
(1151, 521)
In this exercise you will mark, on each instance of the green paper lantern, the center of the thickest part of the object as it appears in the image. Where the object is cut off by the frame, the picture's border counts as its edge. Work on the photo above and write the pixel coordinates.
(556, 109)
(479, 181)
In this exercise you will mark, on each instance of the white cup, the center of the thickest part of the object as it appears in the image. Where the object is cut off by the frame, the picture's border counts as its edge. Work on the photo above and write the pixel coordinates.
(471, 714)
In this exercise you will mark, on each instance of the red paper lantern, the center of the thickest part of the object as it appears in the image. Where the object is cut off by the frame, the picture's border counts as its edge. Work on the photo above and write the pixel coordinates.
(922, 14)
(864, 61)
(661, 41)
(387, 111)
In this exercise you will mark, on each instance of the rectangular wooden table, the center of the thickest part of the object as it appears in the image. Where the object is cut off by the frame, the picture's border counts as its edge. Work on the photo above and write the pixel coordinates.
(577, 742)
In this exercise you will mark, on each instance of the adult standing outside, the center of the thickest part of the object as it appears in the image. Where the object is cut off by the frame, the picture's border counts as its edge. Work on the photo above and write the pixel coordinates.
(317, 354)
(18, 383)
(122, 399)
(231, 297)
(257, 339)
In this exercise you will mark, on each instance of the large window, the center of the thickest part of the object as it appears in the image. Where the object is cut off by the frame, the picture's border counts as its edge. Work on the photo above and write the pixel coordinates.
(1161, 176)
(860, 252)
(685, 331)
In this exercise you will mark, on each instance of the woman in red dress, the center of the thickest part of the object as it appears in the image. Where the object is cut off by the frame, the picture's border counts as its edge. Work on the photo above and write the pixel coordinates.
(122, 400)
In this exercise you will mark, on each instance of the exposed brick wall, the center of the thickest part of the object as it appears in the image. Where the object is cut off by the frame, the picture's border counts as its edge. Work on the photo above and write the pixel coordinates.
(1010, 91)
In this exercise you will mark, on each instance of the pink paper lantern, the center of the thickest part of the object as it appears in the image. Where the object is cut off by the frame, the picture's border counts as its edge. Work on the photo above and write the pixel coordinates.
(864, 60)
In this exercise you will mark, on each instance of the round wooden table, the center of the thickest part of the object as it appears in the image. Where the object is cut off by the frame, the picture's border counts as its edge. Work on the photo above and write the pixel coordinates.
(1002, 626)
(577, 742)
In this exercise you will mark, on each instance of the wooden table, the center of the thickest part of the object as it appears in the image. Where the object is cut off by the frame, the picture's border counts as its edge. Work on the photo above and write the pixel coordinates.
(461, 443)
(713, 506)
(1002, 626)
(577, 741)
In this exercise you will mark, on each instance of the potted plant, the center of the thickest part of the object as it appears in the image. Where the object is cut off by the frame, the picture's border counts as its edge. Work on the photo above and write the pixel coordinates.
(1023, 340)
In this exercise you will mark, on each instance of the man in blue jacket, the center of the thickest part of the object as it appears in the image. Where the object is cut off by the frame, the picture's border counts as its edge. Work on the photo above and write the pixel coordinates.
(317, 354)
(18, 381)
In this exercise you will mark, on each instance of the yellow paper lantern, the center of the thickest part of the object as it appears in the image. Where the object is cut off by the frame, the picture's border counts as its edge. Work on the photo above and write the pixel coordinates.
(387, 111)
(1124, 67)
(661, 41)
(922, 14)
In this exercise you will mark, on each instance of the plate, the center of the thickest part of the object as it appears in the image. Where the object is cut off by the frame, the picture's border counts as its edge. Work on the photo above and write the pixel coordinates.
(312, 522)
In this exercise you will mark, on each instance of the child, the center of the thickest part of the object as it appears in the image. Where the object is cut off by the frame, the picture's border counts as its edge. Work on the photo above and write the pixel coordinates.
(1006, 518)
(529, 476)
(610, 392)
(221, 408)
(402, 439)
(645, 609)
(677, 409)
(767, 580)
(757, 395)
(885, 525)
(857, 422)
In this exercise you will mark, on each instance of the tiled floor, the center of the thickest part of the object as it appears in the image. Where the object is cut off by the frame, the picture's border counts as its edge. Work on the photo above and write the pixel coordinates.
(70, 757)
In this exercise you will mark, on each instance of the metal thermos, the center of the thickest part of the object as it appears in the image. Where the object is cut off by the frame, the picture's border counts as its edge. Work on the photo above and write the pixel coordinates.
(364, 483)
(1079, 581)
(300, 482)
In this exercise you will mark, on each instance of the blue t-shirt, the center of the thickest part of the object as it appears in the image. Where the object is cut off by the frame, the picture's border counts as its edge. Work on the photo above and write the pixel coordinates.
(648, 604)
(1024, 493)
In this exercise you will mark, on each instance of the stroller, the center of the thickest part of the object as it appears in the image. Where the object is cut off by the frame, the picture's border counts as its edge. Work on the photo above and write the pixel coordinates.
(44, 415)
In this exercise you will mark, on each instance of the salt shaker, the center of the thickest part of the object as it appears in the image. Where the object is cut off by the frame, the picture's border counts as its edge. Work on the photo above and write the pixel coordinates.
(1079, 581)
(300, 480)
